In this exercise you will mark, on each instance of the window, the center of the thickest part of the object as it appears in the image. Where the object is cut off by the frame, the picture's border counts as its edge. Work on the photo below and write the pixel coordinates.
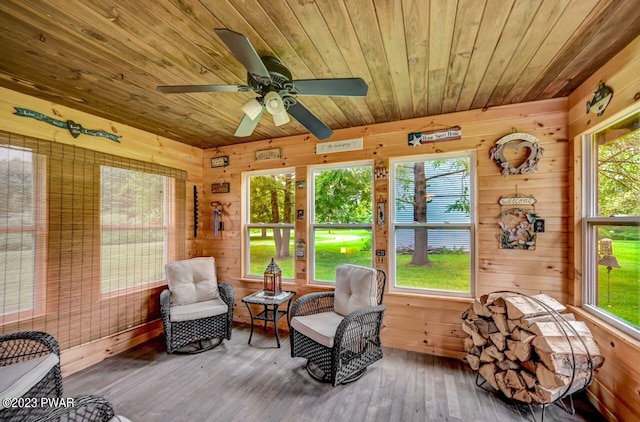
(341, 218)
(84, 236)
(269, 222)
(612, 224)
(135, 216)
(433, 223)
(22, 233)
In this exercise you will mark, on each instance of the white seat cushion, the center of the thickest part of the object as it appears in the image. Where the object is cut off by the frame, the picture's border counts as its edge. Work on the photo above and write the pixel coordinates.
(198, 310)
(18, 378)
(192, 280)
(319, 327)
(356, 288)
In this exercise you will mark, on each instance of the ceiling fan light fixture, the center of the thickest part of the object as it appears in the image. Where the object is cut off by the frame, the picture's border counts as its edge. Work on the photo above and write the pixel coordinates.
(252, 108)
(274, 103)
(281, 118)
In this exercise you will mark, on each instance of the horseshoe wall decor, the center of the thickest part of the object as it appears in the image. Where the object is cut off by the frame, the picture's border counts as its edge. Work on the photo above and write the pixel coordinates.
(517, 141)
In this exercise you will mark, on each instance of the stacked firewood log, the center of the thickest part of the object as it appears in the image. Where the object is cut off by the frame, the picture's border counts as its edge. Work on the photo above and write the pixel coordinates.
(524, 348)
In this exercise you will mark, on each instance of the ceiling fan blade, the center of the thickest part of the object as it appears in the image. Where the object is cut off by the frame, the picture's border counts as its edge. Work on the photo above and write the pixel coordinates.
(247, 125)
(243, 50)
(308, 120)
(340, 87)
(181, 89)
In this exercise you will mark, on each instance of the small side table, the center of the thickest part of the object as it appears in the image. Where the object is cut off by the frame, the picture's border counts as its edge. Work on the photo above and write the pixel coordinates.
(270, 312)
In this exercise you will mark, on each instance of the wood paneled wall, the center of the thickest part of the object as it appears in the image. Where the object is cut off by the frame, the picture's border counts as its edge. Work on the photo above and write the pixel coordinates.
(616, 389)
(87, 336)
(425, 324)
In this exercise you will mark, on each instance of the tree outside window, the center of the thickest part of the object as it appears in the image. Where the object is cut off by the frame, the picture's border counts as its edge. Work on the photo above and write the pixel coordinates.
(342, 218)
(269, 226)
(432, 220)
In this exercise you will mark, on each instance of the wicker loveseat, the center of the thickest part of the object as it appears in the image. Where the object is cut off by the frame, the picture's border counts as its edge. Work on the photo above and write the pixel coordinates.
(339, 332)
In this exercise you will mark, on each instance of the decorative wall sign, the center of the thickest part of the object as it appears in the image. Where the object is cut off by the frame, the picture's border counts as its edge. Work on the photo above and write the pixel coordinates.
(301, 184)
(300, 214)
(74, 128)
(339, 146)
(517, 200)
(517, 141)
(268, 154)
(220, 161)
(601, 99)
(220, 187)
(448, 134)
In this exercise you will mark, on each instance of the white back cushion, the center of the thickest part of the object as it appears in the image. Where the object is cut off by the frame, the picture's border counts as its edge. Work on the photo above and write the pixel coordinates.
(192, 280)
(356, 288)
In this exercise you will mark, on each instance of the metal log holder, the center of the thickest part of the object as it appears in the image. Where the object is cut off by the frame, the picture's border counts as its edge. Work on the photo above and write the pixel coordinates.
(563, 324)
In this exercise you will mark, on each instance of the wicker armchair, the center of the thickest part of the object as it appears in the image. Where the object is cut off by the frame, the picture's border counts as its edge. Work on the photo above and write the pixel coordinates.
(29, 367)
(195, 308)
(339, 332)
(30, 370)
(86, 408)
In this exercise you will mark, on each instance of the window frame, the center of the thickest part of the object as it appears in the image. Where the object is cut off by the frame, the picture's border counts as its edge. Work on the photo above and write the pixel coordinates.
(312, 226)
(247, 225)
(590, 222)
(39, 230)
(471, 225)
(168, 226)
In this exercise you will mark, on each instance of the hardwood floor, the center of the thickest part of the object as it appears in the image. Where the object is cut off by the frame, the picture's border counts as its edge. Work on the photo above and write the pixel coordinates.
(237, 382)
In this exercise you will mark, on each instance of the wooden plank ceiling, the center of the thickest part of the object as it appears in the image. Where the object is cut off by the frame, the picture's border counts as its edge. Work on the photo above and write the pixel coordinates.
(419, 57)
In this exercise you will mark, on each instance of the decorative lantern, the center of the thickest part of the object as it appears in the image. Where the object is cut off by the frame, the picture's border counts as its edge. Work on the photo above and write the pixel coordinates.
(272, 279)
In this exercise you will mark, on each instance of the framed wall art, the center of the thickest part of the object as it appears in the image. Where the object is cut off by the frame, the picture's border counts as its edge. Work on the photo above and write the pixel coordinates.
(223, 187)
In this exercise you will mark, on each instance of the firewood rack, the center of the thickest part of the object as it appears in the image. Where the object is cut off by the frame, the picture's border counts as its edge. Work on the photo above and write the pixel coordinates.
(560, 401)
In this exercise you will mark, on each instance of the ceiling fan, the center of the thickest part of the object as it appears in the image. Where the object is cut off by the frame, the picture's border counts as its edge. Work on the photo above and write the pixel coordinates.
(277, 92)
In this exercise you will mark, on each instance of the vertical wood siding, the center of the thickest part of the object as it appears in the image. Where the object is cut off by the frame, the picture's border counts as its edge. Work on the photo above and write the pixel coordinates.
(412, 322)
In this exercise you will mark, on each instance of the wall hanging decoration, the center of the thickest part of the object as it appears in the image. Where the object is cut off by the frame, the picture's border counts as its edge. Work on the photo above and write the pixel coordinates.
(517, 224)
(301, 184)
(268, 154)
(218, 225)
(601, 99)
(300, 214)
(381, 211)
(339, 146)
(74, 128)
(516, 141)
(223, 187)
(438, 135)
(220, 161)
(301, 249)
(195, 211)
(380, 173)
